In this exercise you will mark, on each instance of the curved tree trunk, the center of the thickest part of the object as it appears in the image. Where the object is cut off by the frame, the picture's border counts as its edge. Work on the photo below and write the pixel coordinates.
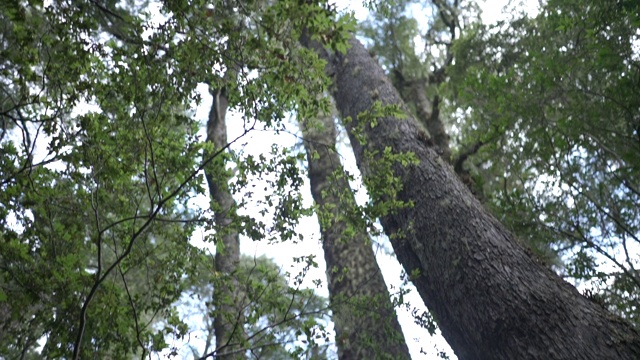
(228, 322)
(491, 298)
(365, 321)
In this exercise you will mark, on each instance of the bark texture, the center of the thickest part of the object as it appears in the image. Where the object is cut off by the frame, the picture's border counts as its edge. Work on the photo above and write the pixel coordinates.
(228, 300)
(365, 321)
(491, 298)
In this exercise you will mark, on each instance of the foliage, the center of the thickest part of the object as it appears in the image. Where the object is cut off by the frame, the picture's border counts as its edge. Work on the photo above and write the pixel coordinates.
(561, 164)
(276, 314)
(106, 194)
(100, 156)
(99, 163)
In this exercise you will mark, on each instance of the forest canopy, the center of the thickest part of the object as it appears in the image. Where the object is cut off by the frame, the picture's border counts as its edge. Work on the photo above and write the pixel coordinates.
(500, 163)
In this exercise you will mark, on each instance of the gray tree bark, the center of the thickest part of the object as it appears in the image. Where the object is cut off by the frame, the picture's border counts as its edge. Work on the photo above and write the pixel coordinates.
(365, 321)
(491, 298)
(228, 299)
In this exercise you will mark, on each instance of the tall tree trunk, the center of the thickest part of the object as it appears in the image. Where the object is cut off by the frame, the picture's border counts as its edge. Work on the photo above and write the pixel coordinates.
(365, 321)
(491, 298)
(228, 322)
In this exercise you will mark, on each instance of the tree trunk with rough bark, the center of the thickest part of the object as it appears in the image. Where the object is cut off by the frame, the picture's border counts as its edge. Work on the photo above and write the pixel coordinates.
(365, 321)
(491, 298)
(228, 300)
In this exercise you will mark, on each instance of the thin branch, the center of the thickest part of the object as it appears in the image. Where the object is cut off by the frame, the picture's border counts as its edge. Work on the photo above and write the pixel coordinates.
(135, 312)
(463, 156)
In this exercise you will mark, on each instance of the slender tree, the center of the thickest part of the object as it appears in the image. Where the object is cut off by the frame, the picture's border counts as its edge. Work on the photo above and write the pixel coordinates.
(365, 322)
(228, 299)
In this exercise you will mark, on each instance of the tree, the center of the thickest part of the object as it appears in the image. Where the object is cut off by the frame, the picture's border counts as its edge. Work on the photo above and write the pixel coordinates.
(115, 210)
(563, 173)
(229, 323)
(229, 301)
(365, 322)
(461, 258)
(550, 160)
